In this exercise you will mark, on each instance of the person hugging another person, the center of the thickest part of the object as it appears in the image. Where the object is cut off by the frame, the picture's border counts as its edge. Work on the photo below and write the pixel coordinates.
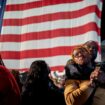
(99, 73)
(79, 88)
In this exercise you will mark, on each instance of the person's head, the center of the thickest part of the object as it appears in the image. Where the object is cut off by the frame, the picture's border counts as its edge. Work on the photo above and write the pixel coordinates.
(81, 55)
(92, 46)
(39, 71)
(37, 81)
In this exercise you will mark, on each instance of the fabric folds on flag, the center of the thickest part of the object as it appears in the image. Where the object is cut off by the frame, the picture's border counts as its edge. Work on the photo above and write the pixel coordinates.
(48, 30)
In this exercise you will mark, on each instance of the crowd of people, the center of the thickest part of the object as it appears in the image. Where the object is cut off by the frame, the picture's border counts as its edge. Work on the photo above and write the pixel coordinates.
(82, 82)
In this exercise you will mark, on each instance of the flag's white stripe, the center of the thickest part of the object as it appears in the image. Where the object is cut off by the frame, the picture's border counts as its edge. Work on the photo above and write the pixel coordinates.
(20, 1)
(25, 63)
(51, 9)
(67, 23)
(50, 43)
(52, 61)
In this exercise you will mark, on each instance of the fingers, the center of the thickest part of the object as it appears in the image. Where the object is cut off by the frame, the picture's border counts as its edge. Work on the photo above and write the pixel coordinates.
(96, 73)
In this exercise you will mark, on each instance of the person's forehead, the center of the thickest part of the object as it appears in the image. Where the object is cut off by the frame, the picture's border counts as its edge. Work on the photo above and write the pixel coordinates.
(91, 44)
(79, 50)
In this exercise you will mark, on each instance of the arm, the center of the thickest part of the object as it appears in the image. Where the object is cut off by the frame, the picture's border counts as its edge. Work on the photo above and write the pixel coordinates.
(77, 92)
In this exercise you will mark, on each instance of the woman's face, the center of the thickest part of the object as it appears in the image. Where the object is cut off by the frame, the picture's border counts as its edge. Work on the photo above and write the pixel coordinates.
(81, 56)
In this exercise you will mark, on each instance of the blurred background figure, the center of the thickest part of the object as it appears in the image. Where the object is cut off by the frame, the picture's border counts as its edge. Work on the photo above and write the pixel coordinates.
(23, 76)
(1, 61)
(16, 74)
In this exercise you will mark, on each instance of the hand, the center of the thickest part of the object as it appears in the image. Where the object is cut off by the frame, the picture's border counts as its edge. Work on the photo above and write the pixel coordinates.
(58, 82)
(95, 74)
(94, 77)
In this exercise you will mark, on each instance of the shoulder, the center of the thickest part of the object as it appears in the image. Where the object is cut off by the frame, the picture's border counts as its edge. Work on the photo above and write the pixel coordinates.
(70, 64)
(70, 61)
(4, 70)
(71, 67)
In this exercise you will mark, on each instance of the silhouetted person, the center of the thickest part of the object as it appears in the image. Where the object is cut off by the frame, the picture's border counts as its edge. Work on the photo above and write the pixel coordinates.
(37, 89)
(16, 74)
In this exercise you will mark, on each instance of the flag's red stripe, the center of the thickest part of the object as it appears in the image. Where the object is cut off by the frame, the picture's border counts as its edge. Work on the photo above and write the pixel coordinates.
(52, 17)
(37, 53)
(49, 52)
(36, 4)
(59, 68)
(51, 33)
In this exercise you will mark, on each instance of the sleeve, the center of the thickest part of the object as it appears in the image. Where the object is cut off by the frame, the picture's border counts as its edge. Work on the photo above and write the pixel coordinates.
(4, 79)
(4, 87)
(4, 84)
(77, 92)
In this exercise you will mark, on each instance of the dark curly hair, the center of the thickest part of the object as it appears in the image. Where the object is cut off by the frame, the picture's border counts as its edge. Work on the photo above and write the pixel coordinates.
(37, 77)
(38, 69)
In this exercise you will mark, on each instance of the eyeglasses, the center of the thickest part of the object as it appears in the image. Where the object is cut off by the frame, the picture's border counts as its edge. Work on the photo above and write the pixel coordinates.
(79, 52)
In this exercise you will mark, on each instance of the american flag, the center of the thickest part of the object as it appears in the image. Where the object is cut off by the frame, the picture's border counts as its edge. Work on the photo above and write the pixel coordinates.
(47, 30)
